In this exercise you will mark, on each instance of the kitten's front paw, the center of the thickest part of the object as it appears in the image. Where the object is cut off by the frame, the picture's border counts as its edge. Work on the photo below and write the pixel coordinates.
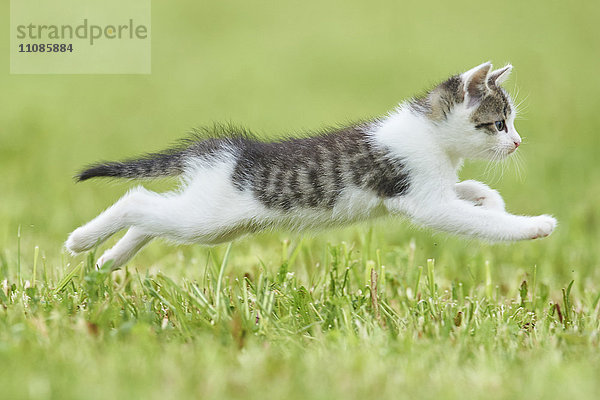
(491, 200)
(480, 195)
(541, 226)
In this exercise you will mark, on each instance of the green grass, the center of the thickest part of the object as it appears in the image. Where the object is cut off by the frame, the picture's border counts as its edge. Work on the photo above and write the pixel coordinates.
(325, 330)
(289, 316)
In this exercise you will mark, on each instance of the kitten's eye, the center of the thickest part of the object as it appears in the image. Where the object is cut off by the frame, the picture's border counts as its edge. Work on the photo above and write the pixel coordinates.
(500, 125)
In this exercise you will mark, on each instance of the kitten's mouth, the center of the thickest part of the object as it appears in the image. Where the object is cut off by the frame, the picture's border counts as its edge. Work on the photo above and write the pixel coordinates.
(504, 153)
(516, 146)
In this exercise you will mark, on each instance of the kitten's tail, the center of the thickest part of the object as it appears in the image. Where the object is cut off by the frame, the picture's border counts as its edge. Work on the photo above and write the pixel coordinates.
(153, 165)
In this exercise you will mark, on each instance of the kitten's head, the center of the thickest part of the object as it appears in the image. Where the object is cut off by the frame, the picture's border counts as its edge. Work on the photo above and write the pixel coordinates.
(475, 113)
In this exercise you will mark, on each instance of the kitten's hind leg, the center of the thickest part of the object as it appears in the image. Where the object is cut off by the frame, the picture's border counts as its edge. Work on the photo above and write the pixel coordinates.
(125, 249)
(109, 222)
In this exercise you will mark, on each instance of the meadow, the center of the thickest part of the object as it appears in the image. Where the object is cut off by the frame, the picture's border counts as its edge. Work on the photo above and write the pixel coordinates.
(379, 310)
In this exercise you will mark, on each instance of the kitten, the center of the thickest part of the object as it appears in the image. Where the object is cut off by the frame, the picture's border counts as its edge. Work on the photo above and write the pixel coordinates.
(404, 163)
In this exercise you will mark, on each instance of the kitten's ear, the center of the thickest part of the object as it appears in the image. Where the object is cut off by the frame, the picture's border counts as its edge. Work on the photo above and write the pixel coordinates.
(498, 76)
(475, 83)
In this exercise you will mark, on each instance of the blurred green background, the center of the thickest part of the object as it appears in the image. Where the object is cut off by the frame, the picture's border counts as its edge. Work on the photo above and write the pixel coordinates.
(280, 68)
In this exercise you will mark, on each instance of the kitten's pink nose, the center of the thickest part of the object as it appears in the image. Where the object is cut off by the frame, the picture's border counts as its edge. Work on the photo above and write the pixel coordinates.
(517, 144)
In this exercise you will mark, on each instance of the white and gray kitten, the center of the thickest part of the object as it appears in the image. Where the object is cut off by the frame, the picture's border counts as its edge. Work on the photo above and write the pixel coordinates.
(404, 163)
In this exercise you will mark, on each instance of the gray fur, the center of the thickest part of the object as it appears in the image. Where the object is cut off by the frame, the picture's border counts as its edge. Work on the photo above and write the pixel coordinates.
(169, 162)
(313, 172)
(438, 103)
(494, 106)
(307, 172)
(492, 102)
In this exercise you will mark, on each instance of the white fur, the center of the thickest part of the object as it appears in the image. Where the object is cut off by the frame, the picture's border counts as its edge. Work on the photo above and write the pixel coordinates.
(209, 209)
(435, 199)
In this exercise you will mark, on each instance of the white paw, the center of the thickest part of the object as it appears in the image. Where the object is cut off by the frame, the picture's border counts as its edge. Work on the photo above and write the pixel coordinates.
(480, 195)
(491, 200)
(108, 257)
(78, 241)
(103, 259)
(541, 226)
